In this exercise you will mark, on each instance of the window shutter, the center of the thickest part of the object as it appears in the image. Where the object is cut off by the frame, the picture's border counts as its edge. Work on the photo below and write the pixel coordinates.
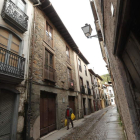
(49, 71)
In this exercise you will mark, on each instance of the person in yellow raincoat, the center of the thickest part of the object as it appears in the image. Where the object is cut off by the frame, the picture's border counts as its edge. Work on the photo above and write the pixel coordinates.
(68, 113)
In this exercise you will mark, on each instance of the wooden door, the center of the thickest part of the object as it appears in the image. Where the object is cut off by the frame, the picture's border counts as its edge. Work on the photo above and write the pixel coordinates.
(131, 58)
(72, 103)
(47, 113)
(89, 105)
(84, 108)
(94, 105)
(7, 100)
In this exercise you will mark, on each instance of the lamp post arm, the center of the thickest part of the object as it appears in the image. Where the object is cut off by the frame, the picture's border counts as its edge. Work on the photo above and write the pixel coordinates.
(93, 36)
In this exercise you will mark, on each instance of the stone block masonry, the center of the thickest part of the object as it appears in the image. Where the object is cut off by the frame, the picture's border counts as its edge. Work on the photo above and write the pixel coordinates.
(60, 88)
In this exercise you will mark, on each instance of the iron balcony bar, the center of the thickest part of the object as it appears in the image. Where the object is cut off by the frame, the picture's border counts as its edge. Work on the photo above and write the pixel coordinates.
(14, 16)
(82, 88)
(89, 91)
(11, 64)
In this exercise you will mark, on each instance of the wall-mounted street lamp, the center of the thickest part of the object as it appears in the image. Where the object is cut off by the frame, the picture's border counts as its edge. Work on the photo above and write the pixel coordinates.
(87, 31)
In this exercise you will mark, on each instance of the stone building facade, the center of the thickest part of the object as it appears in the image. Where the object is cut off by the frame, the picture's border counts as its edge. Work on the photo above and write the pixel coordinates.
(15, 33)
(95, 90)
(84, 80)
(118, 22)
(52, 71)
(100, 93)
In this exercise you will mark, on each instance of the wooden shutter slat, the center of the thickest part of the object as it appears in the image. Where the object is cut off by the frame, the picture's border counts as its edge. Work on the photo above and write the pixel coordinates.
(131, 69)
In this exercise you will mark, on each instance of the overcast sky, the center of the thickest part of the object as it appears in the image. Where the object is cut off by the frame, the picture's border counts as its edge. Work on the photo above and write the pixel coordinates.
(74, 14)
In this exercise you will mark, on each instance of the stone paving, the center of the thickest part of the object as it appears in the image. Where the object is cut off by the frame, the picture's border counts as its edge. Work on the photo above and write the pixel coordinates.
(101, 125)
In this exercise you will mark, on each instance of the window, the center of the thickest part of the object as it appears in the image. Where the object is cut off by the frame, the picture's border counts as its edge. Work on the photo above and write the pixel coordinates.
(81, 81)
(112, 9)
(48, 59)
(79, 64)
(69, 73)
(70, 80)
(85, 71)
(21, 4)
(68, 54)
(111, 100)
(49, 35)
(87, 84)
(10, 42)
(49, 72)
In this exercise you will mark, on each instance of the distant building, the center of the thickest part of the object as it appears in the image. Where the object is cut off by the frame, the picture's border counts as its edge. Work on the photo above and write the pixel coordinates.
(108, 90)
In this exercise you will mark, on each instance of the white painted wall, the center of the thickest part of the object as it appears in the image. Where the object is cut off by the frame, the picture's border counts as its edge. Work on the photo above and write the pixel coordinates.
(26, 36)
(82, 74)
(109, 91)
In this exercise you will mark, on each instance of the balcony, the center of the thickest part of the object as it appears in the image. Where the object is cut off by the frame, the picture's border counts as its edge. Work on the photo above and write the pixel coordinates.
(71, 84)
(82, 89)
(14, 16)
(89, 91)
(11, 66)
(49, 73)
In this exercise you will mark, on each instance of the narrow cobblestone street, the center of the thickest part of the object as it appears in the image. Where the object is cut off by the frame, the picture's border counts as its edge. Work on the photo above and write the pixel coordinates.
(101, 125)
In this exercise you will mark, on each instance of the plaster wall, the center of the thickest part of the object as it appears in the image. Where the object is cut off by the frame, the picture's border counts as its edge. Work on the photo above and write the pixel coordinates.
(26, 38)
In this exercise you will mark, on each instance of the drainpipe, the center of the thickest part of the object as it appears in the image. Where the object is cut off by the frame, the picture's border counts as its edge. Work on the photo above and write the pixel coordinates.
(30, 81)
(79, 77)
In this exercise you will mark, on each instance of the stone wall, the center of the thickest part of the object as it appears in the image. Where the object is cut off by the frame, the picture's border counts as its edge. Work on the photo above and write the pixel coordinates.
(118, 71)
(60, 88)
(121, 83)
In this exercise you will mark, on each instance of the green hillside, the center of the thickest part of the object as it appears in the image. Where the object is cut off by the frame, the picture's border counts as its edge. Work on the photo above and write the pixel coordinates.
(106, 78)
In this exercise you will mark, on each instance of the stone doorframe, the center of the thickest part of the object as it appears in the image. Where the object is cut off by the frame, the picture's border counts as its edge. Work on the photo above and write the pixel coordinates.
(15, 112)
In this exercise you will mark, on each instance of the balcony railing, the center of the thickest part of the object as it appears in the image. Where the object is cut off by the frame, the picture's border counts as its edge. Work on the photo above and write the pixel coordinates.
(89, 91)
(71, 83)
(15, 16)
(11, 64)
(82, 88)
(50, 73)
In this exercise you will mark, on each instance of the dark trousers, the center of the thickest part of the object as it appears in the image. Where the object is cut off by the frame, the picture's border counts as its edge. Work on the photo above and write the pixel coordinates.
(69, 120)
